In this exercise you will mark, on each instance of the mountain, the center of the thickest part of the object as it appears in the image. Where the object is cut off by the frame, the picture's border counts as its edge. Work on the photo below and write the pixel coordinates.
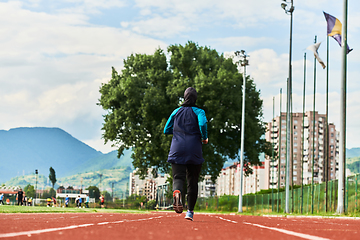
(353, 164)
(25, 149)
(352, 152)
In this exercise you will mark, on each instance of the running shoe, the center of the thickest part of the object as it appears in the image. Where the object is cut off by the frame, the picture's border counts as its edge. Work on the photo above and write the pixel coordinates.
(178, 207)
(189, 215)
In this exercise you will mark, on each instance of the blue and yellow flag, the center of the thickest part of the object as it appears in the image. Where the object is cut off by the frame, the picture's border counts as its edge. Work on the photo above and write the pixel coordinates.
(334, 28)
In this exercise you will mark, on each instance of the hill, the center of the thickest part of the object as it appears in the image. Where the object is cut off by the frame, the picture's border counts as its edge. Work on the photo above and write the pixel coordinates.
(353, 164)
(119, 176)
(25, 149)
(352, 152)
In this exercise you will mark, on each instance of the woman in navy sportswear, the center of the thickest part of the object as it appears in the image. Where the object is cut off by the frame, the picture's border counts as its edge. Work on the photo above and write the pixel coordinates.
(188, 124)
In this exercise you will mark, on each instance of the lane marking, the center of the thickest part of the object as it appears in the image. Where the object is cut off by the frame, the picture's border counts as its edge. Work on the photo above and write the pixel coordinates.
(226, 219)
(29, 233)
(296, 234)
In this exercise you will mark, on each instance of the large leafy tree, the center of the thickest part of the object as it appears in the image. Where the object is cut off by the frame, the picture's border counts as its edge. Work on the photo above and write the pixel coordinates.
(140, 99)
(52, 176)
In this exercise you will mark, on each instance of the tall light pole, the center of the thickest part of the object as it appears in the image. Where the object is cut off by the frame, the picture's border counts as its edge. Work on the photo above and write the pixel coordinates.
(288, 10)
(242, 62)
(36, 173)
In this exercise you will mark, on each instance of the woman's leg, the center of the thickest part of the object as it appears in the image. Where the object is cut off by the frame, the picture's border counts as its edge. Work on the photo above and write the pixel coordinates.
(193, 173)
(179, 176)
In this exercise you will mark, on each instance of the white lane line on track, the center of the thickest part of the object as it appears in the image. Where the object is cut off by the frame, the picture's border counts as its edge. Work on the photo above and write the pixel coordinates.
(29, 233)
(296, 234)
(226, 220)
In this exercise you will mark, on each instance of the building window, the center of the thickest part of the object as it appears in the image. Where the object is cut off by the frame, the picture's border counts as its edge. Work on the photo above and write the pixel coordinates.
(295, 121)
(294, 178)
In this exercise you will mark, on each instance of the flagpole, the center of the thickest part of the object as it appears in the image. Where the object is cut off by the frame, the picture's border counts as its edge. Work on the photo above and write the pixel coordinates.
(279, 157)
(313, 140)
(326, 159)
(342, 143)
(272, 159)
(303, 133)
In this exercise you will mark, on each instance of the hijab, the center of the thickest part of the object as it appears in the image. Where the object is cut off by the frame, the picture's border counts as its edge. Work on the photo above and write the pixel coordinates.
(190, 96)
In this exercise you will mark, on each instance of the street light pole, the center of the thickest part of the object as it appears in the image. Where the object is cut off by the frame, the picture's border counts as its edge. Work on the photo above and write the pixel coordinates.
(243, 62)
(288, 105)
(36, 173)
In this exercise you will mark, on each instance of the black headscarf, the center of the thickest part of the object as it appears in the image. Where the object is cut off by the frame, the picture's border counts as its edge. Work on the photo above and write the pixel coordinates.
(190, 96)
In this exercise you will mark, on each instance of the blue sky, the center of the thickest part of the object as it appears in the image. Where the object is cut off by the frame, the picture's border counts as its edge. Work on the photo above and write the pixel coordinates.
(54, 55)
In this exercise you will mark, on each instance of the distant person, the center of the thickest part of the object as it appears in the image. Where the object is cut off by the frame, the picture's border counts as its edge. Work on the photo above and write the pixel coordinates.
(1, 199)
(188, 124)
(30, 201)
(25, 200)
(80, 201)
(102, 201)
(67, 201)
(48, 200)
(20, 194)
(87, 200)
(8, 201)
(54, 202)
(77, 201)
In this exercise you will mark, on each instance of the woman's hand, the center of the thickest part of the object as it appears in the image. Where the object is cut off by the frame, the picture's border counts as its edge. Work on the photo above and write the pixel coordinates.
(205, 141)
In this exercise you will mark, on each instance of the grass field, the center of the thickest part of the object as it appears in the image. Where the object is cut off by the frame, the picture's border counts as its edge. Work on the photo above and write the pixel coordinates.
(24, 209)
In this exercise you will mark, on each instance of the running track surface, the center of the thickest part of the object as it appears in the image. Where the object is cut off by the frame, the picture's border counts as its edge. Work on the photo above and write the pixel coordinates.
(162, 225)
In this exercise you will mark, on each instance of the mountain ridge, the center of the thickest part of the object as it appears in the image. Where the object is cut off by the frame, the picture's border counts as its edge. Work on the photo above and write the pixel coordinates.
(25, 149)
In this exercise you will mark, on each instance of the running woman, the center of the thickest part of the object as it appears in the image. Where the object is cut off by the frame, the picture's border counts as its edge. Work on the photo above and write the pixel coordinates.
(188, 124)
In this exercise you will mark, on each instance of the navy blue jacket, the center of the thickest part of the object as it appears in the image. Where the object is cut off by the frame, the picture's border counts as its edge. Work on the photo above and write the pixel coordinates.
(188, 126)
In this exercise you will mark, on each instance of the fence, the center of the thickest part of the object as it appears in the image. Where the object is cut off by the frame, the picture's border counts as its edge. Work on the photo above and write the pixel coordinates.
(306, 200)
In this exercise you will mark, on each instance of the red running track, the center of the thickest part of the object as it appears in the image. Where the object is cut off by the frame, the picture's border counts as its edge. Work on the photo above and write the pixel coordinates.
(161, 225)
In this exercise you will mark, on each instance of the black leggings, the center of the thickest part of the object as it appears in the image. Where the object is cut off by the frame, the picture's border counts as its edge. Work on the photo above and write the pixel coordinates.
(191, 172)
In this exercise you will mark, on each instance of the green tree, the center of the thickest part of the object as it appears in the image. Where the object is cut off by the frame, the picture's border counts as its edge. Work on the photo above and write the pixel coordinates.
(49, 194)
(29, 191)
(140, 99)
(94, 192)
(52, 176)
(107, 196)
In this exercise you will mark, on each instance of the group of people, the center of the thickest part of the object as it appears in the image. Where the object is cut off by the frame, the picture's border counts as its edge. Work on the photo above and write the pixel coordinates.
(22, 199)
(78, 201)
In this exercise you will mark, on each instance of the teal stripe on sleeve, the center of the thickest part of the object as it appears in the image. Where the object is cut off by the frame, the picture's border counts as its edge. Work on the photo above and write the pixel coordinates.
(202, 121)
(170, 122)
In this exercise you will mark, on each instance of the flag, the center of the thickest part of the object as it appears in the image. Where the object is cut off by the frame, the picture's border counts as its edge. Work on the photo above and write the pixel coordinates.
(314, 48)
(334, 28)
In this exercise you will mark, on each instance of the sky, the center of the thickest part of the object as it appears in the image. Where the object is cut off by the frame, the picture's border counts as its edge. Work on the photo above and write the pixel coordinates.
(54, 55)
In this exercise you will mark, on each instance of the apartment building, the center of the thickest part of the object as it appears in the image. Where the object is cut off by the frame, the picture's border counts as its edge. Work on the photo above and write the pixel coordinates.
(152, 186)
(307, 145)
(147, 186)
(228, 181)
